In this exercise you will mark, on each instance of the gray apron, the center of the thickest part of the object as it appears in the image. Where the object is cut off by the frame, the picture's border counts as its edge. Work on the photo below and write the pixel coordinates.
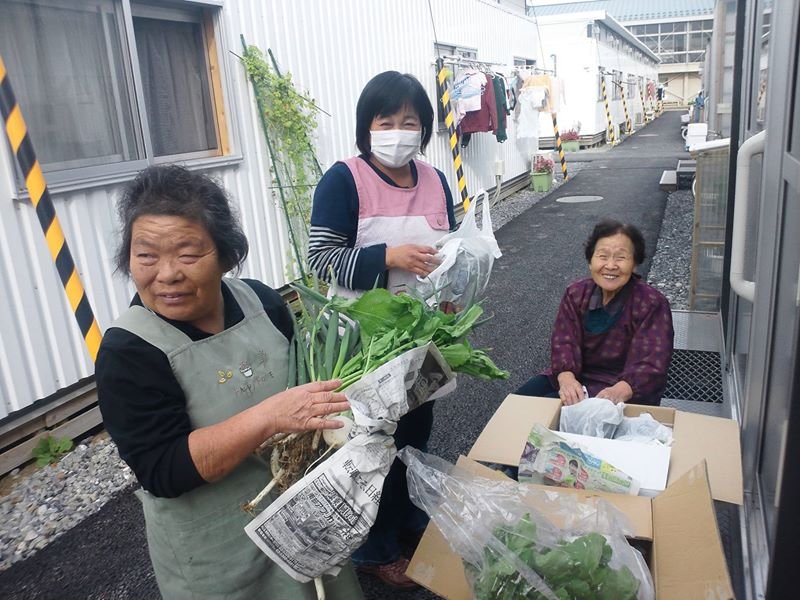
(197, 541)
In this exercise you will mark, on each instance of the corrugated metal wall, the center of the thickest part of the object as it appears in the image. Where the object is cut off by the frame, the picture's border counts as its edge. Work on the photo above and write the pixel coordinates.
(343, 44)
(332, 49)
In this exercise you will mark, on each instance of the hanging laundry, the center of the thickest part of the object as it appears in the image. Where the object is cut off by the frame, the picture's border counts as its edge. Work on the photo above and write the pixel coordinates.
(552, 90)
(502, 108)
(511, 93)
(467, 90)
(529, 103)
(516, 86)
(538, 96)
(484, 119)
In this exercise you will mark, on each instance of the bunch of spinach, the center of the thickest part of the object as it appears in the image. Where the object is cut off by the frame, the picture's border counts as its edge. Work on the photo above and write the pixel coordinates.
(378, 327)
(338, 338)
(578, 569)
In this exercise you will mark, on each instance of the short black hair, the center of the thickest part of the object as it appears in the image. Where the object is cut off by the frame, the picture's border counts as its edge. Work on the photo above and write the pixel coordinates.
(176, 191)
(609, 227)
(573, 462)
(384, 95)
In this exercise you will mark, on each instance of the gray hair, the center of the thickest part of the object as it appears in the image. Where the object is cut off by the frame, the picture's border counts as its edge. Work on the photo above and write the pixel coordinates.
(176, 191)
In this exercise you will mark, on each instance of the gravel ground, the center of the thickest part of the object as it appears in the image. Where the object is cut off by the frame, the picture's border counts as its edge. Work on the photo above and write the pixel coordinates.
(39, 506)
(42, 505)
(672, 261)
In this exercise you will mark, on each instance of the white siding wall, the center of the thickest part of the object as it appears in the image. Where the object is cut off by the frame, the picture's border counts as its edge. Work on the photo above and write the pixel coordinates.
(332, 49)
(578, 59)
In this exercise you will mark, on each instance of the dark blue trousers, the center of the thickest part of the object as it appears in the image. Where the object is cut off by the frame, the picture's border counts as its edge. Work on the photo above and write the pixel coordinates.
(538, 386)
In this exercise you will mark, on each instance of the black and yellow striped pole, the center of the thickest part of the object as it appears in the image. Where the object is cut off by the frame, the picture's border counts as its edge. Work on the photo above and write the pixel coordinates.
(559, 149)
(22, 147)
(645, 120)
(449, 120)
(609, 124)
(628, 128)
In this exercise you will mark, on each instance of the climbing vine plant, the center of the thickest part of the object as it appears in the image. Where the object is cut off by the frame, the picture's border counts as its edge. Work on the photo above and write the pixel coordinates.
(289, 120)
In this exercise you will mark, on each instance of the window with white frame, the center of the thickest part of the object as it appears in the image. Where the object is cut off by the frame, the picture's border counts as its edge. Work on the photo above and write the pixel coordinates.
(455, 50)
(520, 61)
(112, 85)
(616, 85)
(453, 55)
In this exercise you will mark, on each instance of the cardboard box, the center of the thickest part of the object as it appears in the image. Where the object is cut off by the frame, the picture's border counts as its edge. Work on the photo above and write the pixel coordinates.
(696, 438)
(687, 560)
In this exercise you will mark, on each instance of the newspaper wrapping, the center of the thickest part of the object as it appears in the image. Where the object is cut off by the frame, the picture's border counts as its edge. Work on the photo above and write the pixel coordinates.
(549, 459)
(315, 525)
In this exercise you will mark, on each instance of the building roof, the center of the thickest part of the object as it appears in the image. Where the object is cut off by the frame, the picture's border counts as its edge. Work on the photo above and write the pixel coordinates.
(631, 10)
(616, 26)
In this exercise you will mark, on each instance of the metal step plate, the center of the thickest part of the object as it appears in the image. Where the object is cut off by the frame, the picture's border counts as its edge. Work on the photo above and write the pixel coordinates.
(694, 375)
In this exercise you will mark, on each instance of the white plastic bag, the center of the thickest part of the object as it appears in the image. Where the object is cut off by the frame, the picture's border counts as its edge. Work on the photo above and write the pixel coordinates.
(643, 428)
(467, 256)
(598, 417)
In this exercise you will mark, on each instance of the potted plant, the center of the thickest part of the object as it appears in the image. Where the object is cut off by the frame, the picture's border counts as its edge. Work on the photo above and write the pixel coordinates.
(542, 176)
(569, 141)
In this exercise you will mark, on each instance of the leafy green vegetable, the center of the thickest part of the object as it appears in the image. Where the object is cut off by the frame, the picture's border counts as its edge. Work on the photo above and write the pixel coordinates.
(574, 570)
(379, 312)
(49, 450)
(384, 325)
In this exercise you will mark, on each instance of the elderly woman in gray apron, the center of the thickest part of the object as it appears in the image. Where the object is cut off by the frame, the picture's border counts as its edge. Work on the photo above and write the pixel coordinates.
(191, 379)
(374, 221)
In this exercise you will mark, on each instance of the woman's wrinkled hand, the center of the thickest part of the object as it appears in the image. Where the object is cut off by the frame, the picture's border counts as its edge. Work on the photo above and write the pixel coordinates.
(619, 392)
(420, 260)
(304, 407)
(570, 390)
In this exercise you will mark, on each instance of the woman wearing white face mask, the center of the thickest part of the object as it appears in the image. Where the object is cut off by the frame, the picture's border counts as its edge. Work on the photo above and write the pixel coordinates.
(376, 216)
(374, 221)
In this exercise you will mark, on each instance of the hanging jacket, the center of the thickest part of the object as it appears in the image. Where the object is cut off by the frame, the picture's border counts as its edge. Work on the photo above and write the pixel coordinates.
(502, 108)
(484, 119)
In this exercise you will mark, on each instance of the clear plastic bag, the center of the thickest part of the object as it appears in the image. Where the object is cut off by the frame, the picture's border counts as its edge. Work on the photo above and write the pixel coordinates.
(518, 542)
(467, 256)
(598, 417)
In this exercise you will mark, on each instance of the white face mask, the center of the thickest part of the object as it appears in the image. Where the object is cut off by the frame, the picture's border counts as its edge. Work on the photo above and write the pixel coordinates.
(394, 148)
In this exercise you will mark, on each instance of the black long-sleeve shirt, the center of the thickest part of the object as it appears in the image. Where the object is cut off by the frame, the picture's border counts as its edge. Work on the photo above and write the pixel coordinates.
(144, 407)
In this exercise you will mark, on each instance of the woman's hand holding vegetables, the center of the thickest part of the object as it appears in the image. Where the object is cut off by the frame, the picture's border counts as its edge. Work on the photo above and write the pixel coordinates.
(570, 389)
(304, 407)
(619, 392)
(420, 260)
